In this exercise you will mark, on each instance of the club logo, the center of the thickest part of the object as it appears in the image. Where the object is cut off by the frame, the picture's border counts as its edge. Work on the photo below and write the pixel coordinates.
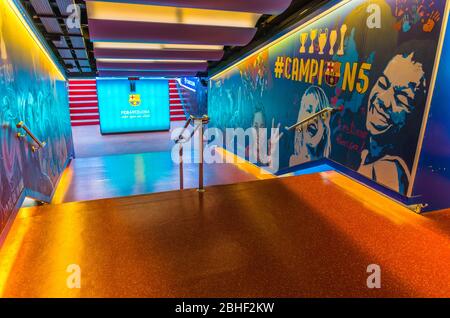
(332, 73)
(134, 100)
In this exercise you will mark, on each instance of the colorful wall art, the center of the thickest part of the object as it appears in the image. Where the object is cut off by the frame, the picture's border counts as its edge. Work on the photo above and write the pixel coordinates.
(371, 61)
(32, 90)
(194, 95)
(432, 181)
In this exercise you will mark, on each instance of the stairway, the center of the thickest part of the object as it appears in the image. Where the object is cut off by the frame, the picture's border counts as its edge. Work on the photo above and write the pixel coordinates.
(176, 108)
(83, 102)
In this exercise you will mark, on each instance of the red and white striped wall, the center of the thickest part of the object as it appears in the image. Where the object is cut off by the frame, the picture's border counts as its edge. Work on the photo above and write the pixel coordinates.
(83, 102)
(176, 109)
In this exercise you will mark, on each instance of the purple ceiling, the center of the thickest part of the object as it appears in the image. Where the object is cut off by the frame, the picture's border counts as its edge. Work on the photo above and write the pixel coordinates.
(103, 30)
(208, 55)
(158, 66)
(129, 31)
(145, 73)
(255, 6)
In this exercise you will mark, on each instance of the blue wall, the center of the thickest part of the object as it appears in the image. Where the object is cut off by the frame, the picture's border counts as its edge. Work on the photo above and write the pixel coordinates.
(375, 62)
(194, 96)
(432, 182)
(119, 115)
(33, 90)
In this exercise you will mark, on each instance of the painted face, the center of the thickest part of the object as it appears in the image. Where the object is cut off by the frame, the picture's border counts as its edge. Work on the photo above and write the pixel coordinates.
(314, 130)
(258, 120)
(392, 97)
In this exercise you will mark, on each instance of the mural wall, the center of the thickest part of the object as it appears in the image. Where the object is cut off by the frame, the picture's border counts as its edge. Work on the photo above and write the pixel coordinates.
(194, 95)
(34, 91)
(372, 59)
(434, 165)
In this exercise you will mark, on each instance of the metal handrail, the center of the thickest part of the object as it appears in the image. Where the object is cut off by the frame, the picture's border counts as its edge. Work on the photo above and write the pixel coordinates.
(41, 144)
(321, 112)
(181, 140)
(186, 125)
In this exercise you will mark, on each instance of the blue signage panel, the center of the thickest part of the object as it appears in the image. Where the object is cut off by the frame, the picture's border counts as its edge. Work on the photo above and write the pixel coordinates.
(133, 105)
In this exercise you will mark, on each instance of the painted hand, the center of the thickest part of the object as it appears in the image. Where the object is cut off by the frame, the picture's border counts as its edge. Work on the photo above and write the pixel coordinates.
(431, 22)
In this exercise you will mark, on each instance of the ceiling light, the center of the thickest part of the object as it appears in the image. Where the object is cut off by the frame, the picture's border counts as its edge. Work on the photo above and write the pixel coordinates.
(165, 14)
(111, 60)
(154, 46)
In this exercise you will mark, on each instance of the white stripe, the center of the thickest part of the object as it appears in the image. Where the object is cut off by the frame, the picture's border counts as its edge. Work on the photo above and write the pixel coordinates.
(78, 85)
(82, 90)
(85, 108)
(177, 116)
(76, 96)
(84, 114)
(85, 121)
(83, 101)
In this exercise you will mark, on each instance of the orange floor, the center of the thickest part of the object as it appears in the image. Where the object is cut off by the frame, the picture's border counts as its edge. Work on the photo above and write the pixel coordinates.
(306, 236)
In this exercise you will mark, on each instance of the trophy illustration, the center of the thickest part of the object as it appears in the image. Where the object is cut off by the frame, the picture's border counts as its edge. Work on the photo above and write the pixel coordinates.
(333, 38)
(341, 46)
(323, 36)
(313, 37)
(303, 38)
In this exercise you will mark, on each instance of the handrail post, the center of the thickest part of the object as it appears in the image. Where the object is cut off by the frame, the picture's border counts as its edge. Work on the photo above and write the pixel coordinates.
(198, 126)
(200, 163)
(200, 122)
(181, 167)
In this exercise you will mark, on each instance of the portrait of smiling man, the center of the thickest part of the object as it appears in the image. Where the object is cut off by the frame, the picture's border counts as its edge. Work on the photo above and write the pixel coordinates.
(394, 110)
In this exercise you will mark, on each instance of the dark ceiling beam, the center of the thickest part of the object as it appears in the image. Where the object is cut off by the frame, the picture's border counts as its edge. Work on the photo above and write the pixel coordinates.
(61, 19)
(268, 27)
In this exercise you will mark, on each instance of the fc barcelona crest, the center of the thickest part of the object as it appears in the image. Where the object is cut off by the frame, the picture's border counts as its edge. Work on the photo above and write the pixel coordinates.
(134, 100)
(332, 73)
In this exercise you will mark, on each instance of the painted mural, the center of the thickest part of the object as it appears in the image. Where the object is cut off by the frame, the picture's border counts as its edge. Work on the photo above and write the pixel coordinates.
(194, 95)
(434, 166)
(371, 61)
(34, 91)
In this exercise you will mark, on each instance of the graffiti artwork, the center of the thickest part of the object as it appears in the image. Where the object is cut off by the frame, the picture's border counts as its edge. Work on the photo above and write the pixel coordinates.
(372, 60)
(32, 90)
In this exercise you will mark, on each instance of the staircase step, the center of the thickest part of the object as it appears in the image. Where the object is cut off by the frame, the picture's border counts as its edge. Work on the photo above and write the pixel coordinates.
(84, 110)
(94, 116)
